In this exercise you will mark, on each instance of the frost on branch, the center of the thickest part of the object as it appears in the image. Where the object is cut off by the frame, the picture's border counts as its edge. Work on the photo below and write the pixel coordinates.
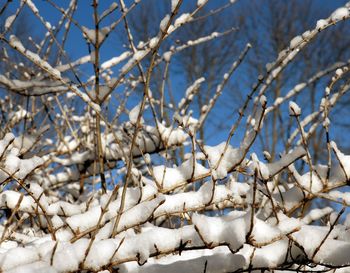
(123, 179)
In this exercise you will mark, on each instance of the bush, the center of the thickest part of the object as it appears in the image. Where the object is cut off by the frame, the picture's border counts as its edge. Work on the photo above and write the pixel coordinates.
(103, 169)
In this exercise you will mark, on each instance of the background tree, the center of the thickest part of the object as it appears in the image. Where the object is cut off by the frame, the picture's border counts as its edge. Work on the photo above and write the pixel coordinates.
(278, 24)
(194, 61)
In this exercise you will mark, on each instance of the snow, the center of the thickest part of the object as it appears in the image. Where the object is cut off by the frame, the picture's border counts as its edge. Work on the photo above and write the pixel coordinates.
(263, 100)
(153, 42)
(128, 66)
(134, 113)
(217, 260)
(16, 257)
(80, 61)
(91, 34)
(345, 196)
(36, 267)
(265, 256)
(174, 4)
(25, 142)
(315, 186)
(271, 255)
(168, 177)
(147, 158)
(28, 165)
(115, 60)
(299, 87)
(163, 24)
(339, 14)
(48, 25)
(9, 21)
(339, 72)
(287, 225)
(220, 160)
(110, 9)
(316, 214)
(138, 214)
(140, 54)
(182, 19)
(191, 89)
(171, 177)
(32, 6)
(201, 2)
(306, 34)
(151, 239)
(264, 233)
(215, 230)
(321, 24)
(296, 41)
(294, 109)
(261, 167)
(16, 43)
(4, 143)
(167, 56)
(332, 251)
(171, 136)
(84, 221)
(100, 254)
(57, 222)
(20, 168)
(344, 160)
(194, 199)
(92, 57)
(68, 256)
